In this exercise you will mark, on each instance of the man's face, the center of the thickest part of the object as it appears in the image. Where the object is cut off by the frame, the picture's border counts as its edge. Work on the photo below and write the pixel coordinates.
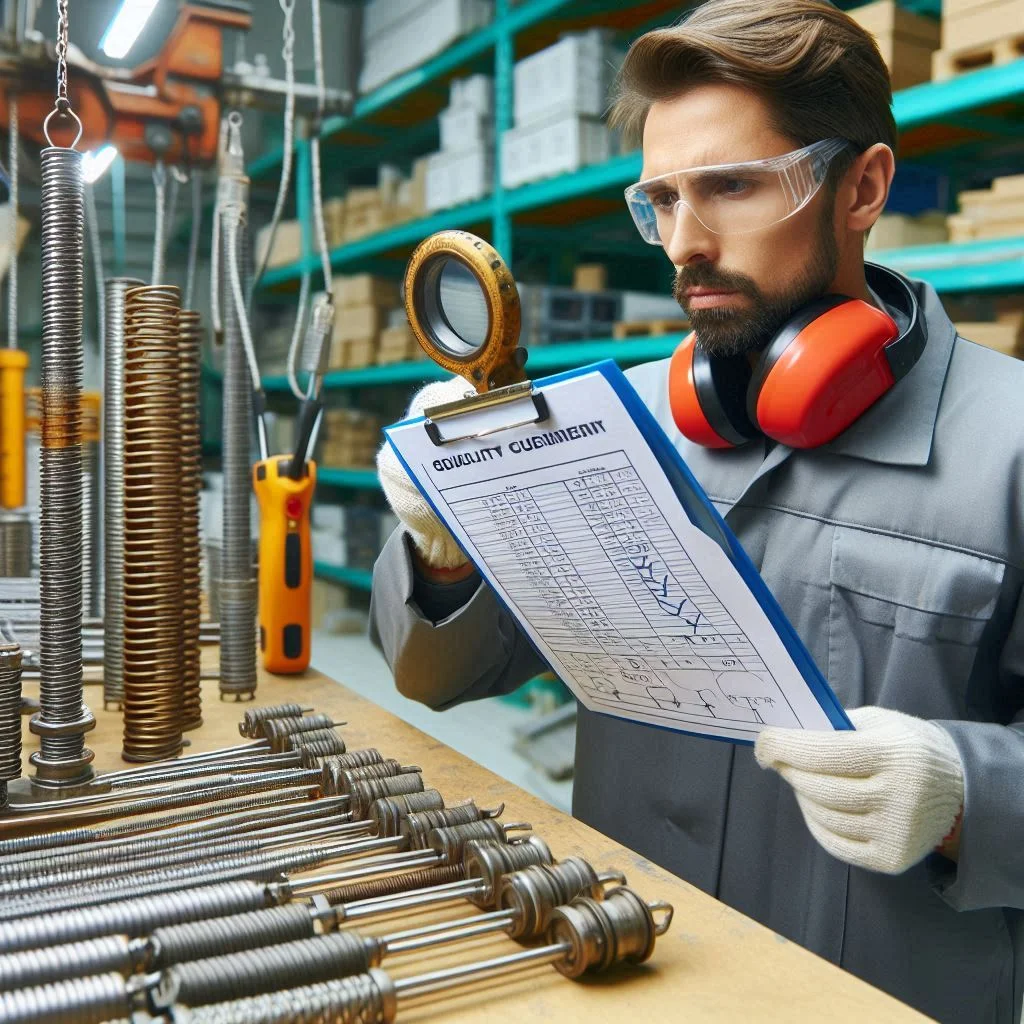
(738, 289)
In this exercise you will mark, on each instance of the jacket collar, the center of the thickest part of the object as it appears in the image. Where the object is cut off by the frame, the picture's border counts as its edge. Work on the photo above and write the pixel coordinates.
(899, 427)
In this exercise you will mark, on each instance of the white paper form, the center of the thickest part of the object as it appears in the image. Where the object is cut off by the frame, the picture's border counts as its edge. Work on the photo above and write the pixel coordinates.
(576, 526)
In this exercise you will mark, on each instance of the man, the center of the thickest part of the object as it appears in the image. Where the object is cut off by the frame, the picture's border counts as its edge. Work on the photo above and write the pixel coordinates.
(896, 550)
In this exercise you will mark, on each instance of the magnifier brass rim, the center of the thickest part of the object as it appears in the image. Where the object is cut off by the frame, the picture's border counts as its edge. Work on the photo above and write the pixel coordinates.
(498, 361)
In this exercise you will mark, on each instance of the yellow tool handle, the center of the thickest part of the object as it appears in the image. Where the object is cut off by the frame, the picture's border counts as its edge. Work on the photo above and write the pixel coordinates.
(13, 364)
(286, 564)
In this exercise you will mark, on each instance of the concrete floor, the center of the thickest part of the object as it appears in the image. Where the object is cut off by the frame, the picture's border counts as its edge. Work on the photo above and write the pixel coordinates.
(482, 730)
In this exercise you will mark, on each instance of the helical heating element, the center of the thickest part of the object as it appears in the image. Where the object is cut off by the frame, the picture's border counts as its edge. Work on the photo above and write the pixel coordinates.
(113, 489)
(191, 468)
(10, 717)
(63, 719)
(153, 698)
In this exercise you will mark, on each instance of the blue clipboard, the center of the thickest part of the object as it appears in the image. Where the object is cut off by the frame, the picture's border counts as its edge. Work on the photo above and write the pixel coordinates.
(704, 516)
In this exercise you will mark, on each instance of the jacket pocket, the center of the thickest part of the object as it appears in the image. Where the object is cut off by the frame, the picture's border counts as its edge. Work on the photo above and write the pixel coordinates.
(905, 621)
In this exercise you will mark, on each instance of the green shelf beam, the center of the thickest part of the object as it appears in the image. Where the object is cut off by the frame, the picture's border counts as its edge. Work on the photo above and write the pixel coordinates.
(935, 101)
(363, 479)
(360, 579)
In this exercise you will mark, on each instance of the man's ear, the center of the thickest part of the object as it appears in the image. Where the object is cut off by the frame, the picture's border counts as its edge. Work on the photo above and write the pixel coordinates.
(865, 187)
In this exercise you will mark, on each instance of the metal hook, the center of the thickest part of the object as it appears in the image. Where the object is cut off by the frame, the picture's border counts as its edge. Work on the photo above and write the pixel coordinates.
(607, 877)
(65, 112)
(661, 927)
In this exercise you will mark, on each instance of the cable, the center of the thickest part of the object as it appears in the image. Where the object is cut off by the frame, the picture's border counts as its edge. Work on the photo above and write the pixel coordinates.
(160, 185)
(96, 254)
(12, 175)
(235, 280)
(218, 326)
(297, 332)
(193, 242)
(321, 99)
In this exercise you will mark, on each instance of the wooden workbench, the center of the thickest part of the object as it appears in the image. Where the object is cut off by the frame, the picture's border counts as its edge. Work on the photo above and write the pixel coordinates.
(713, 965)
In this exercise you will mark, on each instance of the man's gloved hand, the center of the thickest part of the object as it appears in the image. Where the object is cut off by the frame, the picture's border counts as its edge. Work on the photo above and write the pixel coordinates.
(432, 538)
(881, 797)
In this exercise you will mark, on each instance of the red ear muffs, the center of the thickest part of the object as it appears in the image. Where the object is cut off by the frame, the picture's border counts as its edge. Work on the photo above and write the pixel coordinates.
(822, 370)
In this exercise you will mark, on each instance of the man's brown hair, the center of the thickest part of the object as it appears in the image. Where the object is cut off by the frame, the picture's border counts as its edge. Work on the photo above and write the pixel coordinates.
(819, 72)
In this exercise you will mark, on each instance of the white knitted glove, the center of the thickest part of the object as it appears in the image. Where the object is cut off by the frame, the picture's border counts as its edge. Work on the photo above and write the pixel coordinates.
(881, 797)
(431, 537)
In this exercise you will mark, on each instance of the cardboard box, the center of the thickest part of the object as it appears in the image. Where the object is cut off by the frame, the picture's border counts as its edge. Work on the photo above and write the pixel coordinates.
(363, 321)
(897, 230)
(557, 146)
(905, 40)
(981, 24)
(397, 344)
(464, 128)
(365, 290)
(417, 199)
(349, 353)
(1006, 336)
(456, 178)
(287, 243)
(590, 277)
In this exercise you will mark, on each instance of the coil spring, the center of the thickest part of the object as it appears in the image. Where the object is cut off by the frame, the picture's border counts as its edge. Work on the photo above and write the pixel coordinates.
(277, 730)
(365, 791)
(101, 997)
(70, 875)
(199, 940)
(450, 842)
(490, 862)
(363, 999)
(113, 489)
(133, 917)
(534, 893)
(326, 740)
(349, 759)
(251, 725)
(339, 781)
(389, 885)
(10, 716)
(388, 812)
(417, 826)
(153, 698)
(59, 963)
(252, 971)
(191, 479)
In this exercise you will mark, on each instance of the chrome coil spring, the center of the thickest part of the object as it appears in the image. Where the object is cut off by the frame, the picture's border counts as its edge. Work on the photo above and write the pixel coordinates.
(251, 725)
(450, 842)
(63, 718)
(339, 781)
(418, 825)
(133, 917)
(363, 999)
(534, 893)
(191, 469)
(366, 791)
(10, 717)
(391, 885)
(490, 862)
(15, 544)
(388, 812)
(347, 759)
(253, 971)
(326, 741)
(153, 699)
(113, 489)
(199, 940)
(277, 730)
(59, 963)
(92, 1000)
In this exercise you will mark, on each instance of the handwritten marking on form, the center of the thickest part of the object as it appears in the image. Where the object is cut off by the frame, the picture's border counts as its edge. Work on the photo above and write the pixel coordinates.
(636, 609)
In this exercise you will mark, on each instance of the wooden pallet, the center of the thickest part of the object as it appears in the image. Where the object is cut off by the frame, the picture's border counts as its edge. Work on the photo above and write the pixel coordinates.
(645, 328)
(949, 63)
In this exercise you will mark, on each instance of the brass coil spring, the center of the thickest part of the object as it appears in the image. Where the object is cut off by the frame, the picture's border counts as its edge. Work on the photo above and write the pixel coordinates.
(325, 741)
(388, 812)
(254, 971)
(63, 718)
(133, 917)
(113, 489)
(356, 1000)
(191, 465)
(366, 791)
(10, 716)
(391, 885)
(153, 701)
(252, 722)
(78, 1001)
(348, 759)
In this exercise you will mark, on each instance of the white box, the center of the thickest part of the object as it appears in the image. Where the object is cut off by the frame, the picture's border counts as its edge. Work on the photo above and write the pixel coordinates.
(557, 146)
(464, 128)
(476, 91)
(328, 517)
(381, 15)
(456, 178)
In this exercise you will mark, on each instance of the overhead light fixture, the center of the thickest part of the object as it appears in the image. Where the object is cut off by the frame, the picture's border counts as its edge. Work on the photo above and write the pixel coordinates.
(95, 164)
(126, 26)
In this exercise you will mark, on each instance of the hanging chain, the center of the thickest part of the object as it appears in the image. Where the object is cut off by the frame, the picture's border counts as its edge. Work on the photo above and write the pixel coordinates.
(62, 107)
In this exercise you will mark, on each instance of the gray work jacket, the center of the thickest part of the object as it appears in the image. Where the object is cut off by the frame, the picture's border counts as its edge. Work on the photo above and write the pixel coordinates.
(897, 551)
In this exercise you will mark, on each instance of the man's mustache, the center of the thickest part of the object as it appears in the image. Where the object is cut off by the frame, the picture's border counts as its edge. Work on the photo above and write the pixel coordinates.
(704, 275)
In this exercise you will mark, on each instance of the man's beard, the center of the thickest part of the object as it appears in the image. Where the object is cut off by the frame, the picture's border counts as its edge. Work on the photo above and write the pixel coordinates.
(724, 331)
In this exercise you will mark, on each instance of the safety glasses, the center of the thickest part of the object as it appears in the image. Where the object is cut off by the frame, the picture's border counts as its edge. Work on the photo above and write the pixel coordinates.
(732, 199)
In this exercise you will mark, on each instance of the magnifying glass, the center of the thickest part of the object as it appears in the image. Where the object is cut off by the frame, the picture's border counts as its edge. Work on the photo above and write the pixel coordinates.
(463, 307)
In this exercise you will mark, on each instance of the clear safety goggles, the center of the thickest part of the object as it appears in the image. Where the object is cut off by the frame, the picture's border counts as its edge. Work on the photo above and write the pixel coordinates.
(732, 199)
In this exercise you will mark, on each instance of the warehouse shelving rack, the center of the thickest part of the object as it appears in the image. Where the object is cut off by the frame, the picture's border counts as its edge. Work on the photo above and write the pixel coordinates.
(944, 126)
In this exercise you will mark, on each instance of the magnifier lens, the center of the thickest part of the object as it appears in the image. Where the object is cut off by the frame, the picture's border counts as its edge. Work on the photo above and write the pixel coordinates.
(456, 308)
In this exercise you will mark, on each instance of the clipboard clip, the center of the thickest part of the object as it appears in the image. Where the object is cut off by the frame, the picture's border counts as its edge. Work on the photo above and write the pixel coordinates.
(489, 399)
